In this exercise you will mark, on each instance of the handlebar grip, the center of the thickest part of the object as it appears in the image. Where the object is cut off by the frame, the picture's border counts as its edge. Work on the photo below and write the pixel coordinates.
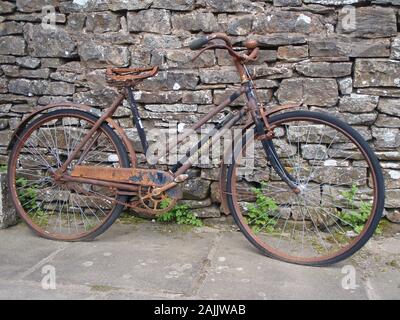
(198, 43)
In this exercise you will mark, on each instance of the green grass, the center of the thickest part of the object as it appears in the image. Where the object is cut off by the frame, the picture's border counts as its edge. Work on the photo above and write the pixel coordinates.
(358, 213)
(28, 196)
(180, 214)
(258, 217)
(3, 168)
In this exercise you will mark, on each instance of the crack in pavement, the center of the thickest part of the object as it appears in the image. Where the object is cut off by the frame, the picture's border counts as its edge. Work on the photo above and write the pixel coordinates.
(206, 263)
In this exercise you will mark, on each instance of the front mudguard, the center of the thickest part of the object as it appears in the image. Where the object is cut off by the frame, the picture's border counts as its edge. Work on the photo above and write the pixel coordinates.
(120, 132)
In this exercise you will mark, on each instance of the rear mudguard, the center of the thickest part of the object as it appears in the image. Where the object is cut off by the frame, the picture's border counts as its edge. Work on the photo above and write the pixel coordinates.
(120, 132)
(224, 167)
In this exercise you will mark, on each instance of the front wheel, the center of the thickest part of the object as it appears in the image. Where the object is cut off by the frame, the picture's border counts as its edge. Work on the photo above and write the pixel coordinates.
(340, 189)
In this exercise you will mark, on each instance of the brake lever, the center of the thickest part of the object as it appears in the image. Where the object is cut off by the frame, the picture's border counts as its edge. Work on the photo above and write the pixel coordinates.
(253, 56)
(217, 46)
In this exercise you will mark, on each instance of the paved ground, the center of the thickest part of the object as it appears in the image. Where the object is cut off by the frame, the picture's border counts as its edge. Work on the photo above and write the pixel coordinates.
(155, 261)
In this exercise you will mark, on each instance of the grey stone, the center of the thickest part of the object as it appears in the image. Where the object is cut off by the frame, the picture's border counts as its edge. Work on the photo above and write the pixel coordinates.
(371, 22)
(314, 152)
(194, 204)
(28, 62)
(220, 75)
(171, 107)
(333, 2)
(3, 124)
(95, 98)
(389, 106)
(359, 118)
(102, 22)
(158, 97)
(356, 103)
(195, 21)
(10, 27)
(386, 137)
(324, 69)
(12, 45)
(346, 85)
(233, 6)
(15, 72)
(221, 95)
(196, 189)
(319, 92)
(8, 216)
(292, 53)
(154, 41)
(349, 47)
(6, 7)
(45, 100)
(184, 59)
(393, 215)
(64, 76)
(3, 85)
(395, 2)
(14, 98)
(59, 89)
(34, 5)
(76, 21)
(27, 87)
(97, 54)
(240, 25)
(392, 178)
(176, 5)
(278, 72)
(376, 73)
(199, 97)
(387, 121)
(215, 192)
(151, 20)
(287, 22)
(7, 59)
(395, 49)
(171, 80)
(382, 92)
(48, 42)
(276, 40)
(266, 83)
(287, 3)
(118, 5)
(207, 212)
(51, 62)
(85, 6)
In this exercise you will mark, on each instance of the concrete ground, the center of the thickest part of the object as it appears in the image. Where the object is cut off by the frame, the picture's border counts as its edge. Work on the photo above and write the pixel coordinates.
(146, 260)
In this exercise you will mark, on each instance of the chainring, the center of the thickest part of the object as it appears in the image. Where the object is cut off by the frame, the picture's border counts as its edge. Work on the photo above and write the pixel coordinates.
(153, 206)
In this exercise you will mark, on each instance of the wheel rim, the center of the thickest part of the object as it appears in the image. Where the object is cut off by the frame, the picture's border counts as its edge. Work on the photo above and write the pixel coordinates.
(339, 226)
(61, 211)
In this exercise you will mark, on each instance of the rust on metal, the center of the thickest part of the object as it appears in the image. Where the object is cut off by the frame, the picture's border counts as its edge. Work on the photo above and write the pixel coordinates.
(121, 133)
(143, 177)
(129, 76)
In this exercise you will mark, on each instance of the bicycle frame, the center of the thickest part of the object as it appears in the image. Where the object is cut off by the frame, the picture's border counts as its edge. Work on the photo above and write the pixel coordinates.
(185, 163)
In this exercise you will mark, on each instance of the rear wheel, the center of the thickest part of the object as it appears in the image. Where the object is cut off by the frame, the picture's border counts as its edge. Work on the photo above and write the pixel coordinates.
(340, 195)
(64, 210)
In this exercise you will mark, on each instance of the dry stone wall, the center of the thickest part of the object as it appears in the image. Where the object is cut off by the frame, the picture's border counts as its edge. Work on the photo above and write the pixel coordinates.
(312, 51)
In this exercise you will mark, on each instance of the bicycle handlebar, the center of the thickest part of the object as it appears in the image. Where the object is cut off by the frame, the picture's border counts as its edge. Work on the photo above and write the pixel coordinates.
(251, 45)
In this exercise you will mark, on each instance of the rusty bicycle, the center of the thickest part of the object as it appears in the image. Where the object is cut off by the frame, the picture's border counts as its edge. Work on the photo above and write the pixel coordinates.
(313, 194)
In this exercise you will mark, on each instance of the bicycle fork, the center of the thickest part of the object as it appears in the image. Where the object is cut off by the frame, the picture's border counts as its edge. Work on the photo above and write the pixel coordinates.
(266, 142)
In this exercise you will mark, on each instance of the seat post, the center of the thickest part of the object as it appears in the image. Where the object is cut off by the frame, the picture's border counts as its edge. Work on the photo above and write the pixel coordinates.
(137, 120)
